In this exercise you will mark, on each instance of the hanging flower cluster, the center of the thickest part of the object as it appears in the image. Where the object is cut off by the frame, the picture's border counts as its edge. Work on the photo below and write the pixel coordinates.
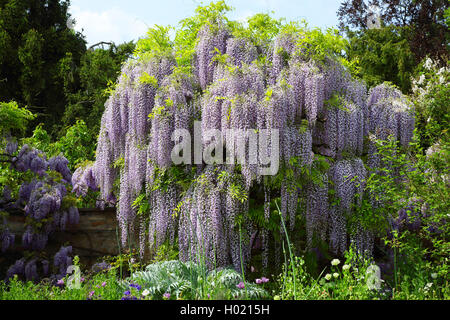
(311, 107)
(389, 114)
(45, 200)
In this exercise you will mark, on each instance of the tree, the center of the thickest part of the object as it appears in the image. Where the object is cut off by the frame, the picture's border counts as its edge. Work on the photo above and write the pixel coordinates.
(85, 83)
(426, 19)
(34, 37)
(13, 120)
(383, 55)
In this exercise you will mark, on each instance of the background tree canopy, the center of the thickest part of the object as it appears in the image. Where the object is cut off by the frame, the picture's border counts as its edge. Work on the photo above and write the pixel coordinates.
(84, 83)
(46, 66)
(34, 38)
(410, 31)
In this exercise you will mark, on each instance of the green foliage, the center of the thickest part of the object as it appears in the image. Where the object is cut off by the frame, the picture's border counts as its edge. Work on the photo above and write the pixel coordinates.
(31, 57)
(336, 101)
(124, 263)
(419, 182)
(319, 45)
(13, 120)
(348, 282)
(77, 145)
(191, 281)
(186, 35)
(447, 17)
(384, 55)
(141, 204)
(34, 37)
(87, 81)
(148, 79)
(261, 29)
(165, 252)
(101, 286)
(175, 175)
(425, 22)
(157, 43)
(430, 92)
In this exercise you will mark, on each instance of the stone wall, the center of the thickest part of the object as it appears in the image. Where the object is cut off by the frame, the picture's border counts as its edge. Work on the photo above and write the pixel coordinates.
(94, 237)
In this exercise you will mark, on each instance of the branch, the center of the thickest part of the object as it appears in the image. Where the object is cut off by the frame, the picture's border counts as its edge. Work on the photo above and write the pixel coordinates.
(100, 43)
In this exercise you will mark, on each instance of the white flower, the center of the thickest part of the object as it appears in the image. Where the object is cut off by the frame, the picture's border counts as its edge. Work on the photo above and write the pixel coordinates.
(335, 262)
(328, 276)
(441, 79)
(345, 267)
(434, 275)
(428, 64)
(336, 275)
(145, 293)
(421, 79)
(428, 286)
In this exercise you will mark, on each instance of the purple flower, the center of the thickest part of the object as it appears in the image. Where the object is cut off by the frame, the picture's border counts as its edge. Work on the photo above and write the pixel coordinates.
(60, 282)
(91, 294)
(264, 280)
(104, 284)
(127, 293)
(258, 281)
(136, 286)
(241, 285)
(166, 296)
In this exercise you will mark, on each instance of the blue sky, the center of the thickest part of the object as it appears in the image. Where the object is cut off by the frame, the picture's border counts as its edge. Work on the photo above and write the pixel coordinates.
(119, 20)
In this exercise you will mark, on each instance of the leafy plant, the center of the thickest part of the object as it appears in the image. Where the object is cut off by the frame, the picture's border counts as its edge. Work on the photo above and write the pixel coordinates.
(192, 281)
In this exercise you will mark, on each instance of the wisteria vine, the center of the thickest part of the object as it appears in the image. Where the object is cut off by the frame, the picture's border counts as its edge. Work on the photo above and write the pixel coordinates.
(44, 198)
(318, 108)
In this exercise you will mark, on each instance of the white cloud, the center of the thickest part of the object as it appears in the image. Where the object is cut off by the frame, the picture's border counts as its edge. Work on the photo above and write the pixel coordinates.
(112, 24)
